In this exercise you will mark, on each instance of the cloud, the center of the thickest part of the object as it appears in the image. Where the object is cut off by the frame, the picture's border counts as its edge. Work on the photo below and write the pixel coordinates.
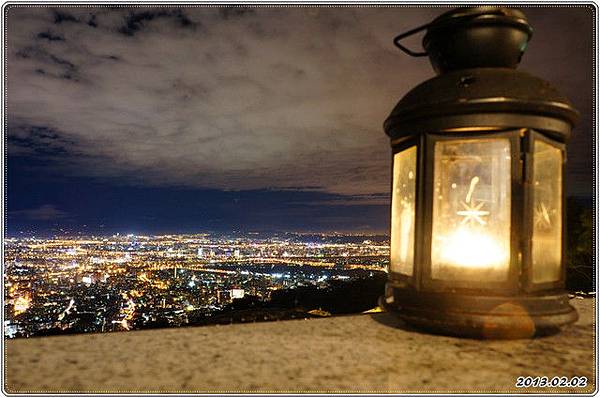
(208, 97)
(45, 212)
(354, 200)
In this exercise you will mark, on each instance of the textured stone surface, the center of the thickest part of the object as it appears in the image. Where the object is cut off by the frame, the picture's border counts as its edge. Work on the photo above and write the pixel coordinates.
(361, 353)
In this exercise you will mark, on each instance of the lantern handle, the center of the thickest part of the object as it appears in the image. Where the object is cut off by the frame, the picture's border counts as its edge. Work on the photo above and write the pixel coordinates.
(404, 35)
(411, 32)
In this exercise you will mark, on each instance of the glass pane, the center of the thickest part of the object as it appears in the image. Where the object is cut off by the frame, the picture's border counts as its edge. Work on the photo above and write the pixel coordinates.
(403, 211)
(546, 244)
(471, 210)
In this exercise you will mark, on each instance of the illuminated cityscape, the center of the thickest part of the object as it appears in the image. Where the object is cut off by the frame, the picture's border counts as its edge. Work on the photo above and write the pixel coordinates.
(102, 284)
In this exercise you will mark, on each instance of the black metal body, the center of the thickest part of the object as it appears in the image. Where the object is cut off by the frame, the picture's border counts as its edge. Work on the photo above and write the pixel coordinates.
(481, 102)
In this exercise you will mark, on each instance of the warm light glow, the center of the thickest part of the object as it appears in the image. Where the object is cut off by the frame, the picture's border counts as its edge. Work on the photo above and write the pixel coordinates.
(472, 249)
(469, 246)
(407, 216)
(471, 210)
(546, 240)
(403, 211)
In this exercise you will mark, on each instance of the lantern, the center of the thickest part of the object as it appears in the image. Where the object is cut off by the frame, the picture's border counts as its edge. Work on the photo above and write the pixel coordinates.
(477, 208)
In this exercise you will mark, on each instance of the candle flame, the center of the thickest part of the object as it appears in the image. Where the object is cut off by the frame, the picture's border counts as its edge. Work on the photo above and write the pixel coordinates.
(472, 249)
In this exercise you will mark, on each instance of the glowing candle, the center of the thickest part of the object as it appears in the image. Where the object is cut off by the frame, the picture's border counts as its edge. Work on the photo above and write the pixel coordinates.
(468, 248)
(471, 217)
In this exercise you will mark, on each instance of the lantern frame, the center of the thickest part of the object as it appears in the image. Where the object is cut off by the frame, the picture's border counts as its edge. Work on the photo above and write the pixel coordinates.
(521, 209)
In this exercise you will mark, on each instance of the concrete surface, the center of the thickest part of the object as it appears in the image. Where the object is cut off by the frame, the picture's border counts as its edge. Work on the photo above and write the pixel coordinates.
(361, 353)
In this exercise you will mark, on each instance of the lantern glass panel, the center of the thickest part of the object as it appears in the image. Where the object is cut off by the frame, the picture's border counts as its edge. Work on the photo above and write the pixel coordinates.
(471, 210)
(403, 211)
(546, 243)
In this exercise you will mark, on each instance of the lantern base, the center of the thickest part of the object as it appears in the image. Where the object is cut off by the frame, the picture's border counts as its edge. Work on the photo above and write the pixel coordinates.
(478, 316)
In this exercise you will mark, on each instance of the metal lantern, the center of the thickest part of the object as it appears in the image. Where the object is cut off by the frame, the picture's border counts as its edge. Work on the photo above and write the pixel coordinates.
(478, 209)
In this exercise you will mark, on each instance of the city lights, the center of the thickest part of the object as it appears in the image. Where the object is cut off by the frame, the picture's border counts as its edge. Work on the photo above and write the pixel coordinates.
(101, 284)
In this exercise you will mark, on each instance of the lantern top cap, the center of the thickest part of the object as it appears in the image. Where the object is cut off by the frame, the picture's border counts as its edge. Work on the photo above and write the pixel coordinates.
(495, 97)
(482, 12)
(474, 37)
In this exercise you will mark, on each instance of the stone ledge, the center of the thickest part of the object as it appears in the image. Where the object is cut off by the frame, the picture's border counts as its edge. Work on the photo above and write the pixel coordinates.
(362, 353)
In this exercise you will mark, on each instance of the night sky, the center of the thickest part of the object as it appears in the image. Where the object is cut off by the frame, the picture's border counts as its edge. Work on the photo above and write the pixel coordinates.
(166, 120)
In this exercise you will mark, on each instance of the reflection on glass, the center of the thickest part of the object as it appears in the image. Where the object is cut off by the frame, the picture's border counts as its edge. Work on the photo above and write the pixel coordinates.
(403, 211)
(471, 210)
(546, 243)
